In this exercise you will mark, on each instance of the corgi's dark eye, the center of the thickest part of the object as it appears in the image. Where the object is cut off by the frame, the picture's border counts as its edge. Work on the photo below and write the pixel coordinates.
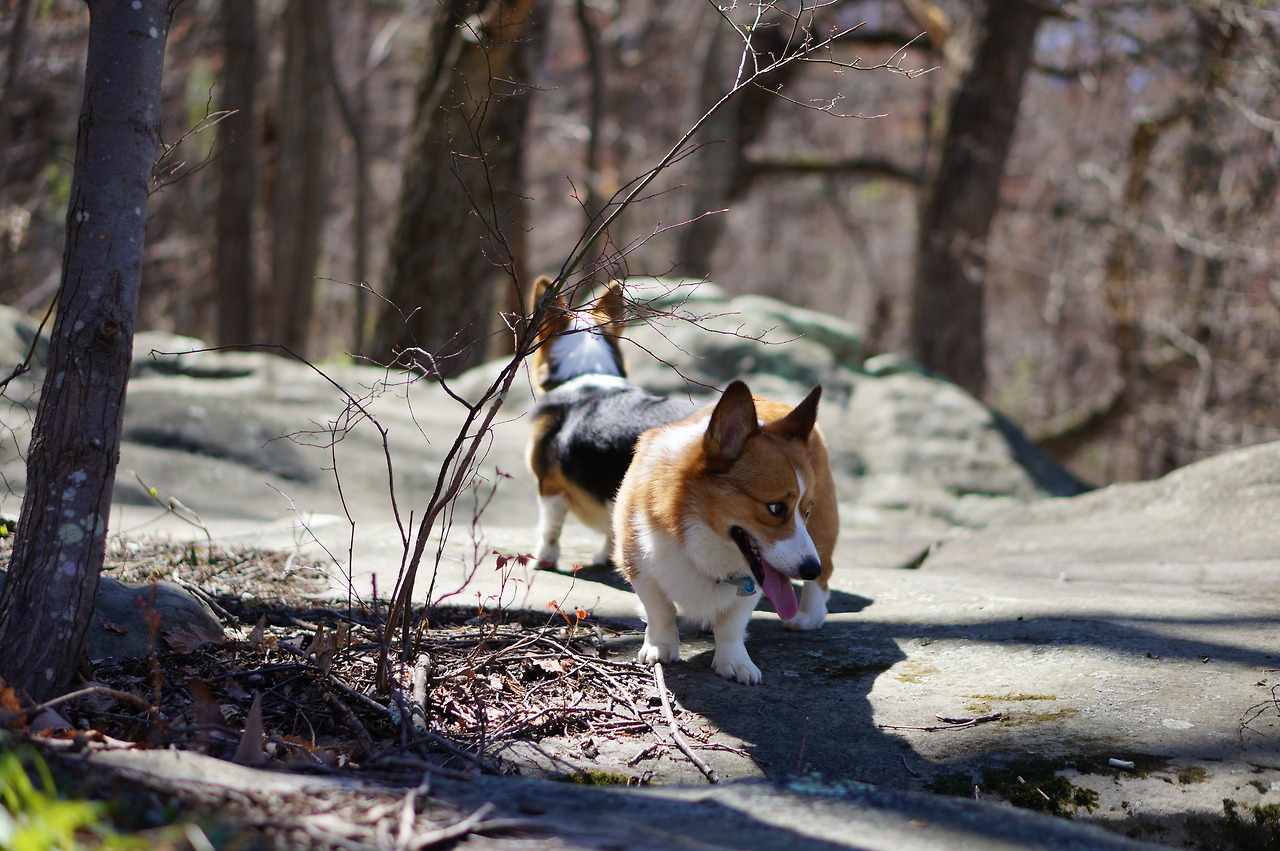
(777, 509)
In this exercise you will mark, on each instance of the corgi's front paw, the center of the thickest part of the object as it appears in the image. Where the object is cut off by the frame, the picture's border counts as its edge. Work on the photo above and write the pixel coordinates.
(806, 621)
(813, 608)
(736, 665)
(659, 652)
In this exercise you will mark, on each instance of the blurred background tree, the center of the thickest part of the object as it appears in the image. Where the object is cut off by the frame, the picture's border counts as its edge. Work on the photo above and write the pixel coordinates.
(1125, 248)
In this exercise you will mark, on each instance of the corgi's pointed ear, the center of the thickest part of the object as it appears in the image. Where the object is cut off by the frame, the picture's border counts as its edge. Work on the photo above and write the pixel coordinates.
(540, 287)
(611, 304)
(556, 316)
(733, 422)
(798, 424)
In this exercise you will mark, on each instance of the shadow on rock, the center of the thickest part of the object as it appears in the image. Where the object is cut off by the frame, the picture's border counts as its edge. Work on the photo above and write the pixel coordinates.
(811, 713)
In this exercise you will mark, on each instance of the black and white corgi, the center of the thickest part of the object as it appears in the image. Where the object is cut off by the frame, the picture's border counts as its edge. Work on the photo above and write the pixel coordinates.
(587, 418)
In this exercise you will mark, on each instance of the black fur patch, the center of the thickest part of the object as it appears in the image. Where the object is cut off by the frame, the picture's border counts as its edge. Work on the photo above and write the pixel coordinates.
(599, 424)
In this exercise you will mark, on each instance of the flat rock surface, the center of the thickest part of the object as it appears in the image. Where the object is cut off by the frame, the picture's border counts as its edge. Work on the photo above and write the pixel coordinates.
(791, 813)
(1172, 680)
(1092, 647)
(1119, 647)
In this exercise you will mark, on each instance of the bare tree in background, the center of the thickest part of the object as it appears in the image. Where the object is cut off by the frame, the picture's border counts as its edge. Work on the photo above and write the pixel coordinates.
(59, 544)
(461, 184)
(1178, 351)
(722, 164)
(986, 57)
(301, 189)
(237, 166)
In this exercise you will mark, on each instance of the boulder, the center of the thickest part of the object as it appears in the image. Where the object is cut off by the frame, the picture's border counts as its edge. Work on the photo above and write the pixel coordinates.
(251, 433)
(1207, 523)
(910, 448)
(120, 627)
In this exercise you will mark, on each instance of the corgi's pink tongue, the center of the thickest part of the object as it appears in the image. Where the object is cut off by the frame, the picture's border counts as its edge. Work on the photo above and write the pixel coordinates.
(781, 593)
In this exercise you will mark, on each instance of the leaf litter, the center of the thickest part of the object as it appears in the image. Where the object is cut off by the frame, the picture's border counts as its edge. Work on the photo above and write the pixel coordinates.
(293, 684)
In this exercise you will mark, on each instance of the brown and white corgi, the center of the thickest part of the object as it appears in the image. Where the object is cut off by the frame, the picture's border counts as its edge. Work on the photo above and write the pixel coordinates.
(735, 501)
(587, 418)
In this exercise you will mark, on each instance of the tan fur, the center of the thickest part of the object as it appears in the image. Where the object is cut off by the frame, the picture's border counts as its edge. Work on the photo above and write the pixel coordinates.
(688, 488)
(694, 480)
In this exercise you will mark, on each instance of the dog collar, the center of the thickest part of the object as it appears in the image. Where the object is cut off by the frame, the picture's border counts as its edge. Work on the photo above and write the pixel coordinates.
(746, 584)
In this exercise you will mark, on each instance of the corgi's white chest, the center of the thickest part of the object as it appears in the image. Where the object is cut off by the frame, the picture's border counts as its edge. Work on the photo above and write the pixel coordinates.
(687, 572)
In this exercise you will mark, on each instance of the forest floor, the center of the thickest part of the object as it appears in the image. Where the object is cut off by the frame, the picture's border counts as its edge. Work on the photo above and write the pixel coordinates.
(288, 688)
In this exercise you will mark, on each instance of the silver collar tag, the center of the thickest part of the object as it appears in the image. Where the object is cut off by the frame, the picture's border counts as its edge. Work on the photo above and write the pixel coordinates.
(746, 585)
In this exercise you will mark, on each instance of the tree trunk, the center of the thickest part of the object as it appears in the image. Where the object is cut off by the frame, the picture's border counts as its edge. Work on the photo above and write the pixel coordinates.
(300, 197)
(58, 548)
(460, 190)
(985, 61)
(720, 163)
(237, 165)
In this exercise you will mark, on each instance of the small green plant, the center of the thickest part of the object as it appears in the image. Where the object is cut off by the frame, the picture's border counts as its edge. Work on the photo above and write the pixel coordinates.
(1259, 829)
(34, 817)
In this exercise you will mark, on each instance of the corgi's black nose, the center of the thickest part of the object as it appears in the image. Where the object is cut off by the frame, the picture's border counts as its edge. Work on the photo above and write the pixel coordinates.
(810, 569)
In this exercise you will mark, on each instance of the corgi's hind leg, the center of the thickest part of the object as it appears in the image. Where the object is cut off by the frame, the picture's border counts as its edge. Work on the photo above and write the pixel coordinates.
(813, 607)
(552, 510)
(604, 558)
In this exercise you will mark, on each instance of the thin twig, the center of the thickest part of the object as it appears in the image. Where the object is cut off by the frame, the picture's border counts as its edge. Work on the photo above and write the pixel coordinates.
(948, 723)
(34, 709)
(457, 830)
(679, 738)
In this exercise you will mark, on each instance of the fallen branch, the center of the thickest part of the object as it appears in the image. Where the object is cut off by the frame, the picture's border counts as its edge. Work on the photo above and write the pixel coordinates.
(947, 723)
(35, 709)
(679, 738)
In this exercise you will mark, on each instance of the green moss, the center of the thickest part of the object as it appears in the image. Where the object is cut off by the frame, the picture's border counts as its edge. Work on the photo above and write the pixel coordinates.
(1100, 764)
(1032, 784)
(985, 704)
(1251, 828)
(597, 777)
(957, 784)
(1041, 717)
(1192, 774)
(915, 673)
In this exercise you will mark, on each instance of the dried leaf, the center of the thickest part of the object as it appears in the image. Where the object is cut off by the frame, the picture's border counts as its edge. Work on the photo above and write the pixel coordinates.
(250, 750)
(555, 667)
(113, 627)
(325, 646)
(235, 690)
(49, 721)
(8, 698)
(257, 637)
(185, 638)
(205, 709)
